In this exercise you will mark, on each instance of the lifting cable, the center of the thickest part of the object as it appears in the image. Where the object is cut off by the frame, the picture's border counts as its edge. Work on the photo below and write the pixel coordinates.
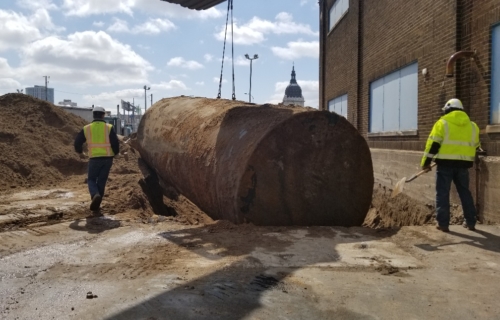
(229, 8)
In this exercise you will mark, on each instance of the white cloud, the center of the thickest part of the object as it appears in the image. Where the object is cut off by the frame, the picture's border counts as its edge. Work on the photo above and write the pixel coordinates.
(217, 79)
(182, 63)
(310, 92)
(84, 58)
(156, 7)
(171, 86)
(9, 85)
(239, 61)
(200, 83)
(17, 30)
(5, 69)
(208, 57)
(297, 49)
(98, 24)
(91, 7)
(256, 29)
(35, 5)
(152, 26)
(119, 26)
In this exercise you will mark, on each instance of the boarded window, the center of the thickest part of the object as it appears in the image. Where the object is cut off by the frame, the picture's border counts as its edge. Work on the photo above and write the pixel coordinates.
(394, 101)
(339, 105)
(337, 11)
(495, 75)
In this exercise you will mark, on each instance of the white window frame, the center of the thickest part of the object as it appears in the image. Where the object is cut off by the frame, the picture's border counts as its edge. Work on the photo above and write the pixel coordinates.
(394, 103)
(339, 105)
(337, 11)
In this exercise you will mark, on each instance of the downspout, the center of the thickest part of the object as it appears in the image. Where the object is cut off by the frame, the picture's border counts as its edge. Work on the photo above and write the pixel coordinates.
(322, 10)
(450, 65)
(360, 66)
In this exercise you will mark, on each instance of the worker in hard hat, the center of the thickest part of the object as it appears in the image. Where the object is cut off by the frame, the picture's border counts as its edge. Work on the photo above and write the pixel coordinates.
(452, 145)
(103, 145)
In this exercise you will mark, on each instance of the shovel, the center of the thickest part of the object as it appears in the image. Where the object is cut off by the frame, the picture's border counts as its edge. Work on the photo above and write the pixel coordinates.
(401, 183)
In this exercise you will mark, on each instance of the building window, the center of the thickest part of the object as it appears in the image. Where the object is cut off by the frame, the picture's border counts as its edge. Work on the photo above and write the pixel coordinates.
(394, 101)
(337, 11)
(495, 75)
(338, 105)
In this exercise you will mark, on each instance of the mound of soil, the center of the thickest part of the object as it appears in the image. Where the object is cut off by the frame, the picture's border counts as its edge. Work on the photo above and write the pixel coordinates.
(387, 212)
(36, 143)
(36, 139)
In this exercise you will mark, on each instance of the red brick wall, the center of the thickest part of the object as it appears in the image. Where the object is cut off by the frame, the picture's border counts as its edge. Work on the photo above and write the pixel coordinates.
(341, 65)
(474, 76)
(378, 37)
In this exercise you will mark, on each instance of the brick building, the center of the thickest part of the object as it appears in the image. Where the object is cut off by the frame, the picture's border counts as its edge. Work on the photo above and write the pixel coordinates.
(388, 60)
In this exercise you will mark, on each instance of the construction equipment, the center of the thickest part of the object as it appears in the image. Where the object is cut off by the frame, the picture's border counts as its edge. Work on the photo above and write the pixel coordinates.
(401, 183)
(264, 164)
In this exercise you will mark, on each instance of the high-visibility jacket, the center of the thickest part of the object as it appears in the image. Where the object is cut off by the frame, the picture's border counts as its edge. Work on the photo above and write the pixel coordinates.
(97, 136)
(458, 138)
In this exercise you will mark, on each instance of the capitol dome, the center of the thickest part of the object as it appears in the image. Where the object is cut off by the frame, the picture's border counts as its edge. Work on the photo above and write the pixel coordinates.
(293, 92)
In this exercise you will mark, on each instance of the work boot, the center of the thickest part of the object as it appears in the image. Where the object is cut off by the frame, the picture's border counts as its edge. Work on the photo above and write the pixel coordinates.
(96, 202)
(444, 229)
(468, 226)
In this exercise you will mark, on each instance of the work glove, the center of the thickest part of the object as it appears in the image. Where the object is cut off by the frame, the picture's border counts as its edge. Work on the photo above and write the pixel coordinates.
(427, 168)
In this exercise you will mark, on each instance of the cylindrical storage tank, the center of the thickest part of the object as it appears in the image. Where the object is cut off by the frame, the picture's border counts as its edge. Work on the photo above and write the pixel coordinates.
(269, 165)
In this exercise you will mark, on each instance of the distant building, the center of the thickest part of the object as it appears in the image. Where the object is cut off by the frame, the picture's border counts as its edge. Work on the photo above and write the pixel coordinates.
(40, 93)
(67, 103)
(293, 93)
(85, 113)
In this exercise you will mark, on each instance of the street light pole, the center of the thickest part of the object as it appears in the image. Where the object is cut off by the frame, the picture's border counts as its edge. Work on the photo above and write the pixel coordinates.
(145, 98)
(251, 60)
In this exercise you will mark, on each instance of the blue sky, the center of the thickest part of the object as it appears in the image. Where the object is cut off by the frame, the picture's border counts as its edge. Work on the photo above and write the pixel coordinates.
(102, 51)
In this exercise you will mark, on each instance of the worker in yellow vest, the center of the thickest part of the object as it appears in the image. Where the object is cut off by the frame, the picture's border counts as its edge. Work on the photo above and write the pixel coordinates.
(452, 144)
(103, 145)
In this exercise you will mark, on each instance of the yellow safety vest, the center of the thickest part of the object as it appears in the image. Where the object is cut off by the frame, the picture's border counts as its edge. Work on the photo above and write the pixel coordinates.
(97, 135)
(457, 135)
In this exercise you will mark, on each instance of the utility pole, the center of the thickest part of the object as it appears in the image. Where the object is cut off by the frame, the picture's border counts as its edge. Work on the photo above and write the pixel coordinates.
(46, 82)
(145, 98)
(151, 100)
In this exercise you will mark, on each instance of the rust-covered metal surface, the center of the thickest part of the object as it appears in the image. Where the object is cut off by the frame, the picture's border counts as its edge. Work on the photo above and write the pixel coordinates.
(269, 165)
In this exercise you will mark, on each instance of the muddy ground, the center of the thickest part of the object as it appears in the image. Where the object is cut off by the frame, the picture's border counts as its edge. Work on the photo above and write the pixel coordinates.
(153, 256)
(170, 270)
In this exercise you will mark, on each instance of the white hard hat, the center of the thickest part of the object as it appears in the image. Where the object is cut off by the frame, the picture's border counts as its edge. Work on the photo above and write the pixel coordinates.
(453, 103)
(99, 109)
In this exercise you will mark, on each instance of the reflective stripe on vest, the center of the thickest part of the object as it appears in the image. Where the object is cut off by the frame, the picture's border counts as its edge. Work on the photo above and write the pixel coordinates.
(456, 149)
(98, 142)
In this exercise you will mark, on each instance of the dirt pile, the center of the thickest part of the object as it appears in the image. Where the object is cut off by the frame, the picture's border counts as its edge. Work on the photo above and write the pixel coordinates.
(36, 139)
(387, 212)
(36, 143)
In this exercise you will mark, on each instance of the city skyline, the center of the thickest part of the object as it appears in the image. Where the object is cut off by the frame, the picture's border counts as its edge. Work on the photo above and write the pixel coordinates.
(102, 53)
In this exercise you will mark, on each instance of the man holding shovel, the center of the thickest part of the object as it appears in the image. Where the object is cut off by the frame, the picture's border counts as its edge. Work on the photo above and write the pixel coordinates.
(452, 144)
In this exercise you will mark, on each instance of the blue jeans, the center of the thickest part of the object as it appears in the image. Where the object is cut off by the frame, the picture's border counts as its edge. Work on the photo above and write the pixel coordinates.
(98, 172)
(459, 176)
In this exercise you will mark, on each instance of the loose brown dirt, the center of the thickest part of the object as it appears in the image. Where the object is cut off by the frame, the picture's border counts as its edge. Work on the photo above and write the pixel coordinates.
(402, 210)
(36, 139)
(38, 163)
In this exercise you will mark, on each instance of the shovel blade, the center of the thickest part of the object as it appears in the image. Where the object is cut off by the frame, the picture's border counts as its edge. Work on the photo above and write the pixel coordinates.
(398, 188)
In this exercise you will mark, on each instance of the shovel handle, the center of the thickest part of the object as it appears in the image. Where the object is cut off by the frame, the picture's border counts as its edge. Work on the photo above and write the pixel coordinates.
(420, 173)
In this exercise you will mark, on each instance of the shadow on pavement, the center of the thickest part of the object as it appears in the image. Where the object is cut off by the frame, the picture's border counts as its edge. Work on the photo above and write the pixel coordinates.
(479, 239)
(95, 224)
(253, 284)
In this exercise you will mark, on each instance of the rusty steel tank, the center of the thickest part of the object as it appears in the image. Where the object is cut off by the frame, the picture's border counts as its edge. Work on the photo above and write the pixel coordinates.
(264, 164)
